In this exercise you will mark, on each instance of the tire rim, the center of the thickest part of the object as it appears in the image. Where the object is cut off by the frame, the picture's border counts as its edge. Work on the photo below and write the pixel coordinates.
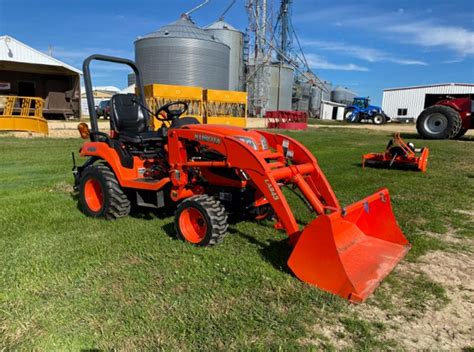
(436, 123)
(348, 115)
(192, 224)
(378, 120)
(93, 195)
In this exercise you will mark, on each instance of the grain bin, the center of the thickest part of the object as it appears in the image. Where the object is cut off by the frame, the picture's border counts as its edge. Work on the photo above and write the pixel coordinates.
(233, 38)
(342, 95)
(183, 54)
(279, 78)
(326, 95)
(315, 101)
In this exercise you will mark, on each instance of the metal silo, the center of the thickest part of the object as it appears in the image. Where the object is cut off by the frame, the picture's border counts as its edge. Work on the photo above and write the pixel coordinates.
(302, 96)
(327, 92)
(342, 95)
(183, 54)
(279, 78)
(232, 37)
(315, 101)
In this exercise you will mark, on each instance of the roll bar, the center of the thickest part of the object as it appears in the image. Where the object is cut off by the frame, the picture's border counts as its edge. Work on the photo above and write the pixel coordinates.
(88, 85)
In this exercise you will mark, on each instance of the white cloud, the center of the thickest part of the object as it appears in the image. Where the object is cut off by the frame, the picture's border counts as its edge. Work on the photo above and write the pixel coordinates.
(318, 62)
(360, 52)
(79, 55)
(421, 29)
(428, 34)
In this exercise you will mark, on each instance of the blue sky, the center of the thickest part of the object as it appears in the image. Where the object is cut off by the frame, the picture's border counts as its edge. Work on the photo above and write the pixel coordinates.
(364, 45)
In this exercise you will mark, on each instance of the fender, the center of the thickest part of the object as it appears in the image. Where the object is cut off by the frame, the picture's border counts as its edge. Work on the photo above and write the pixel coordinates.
(463, 107)
(128, 178)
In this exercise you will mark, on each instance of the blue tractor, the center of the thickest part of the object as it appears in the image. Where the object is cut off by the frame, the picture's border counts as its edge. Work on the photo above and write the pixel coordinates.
(361, 110)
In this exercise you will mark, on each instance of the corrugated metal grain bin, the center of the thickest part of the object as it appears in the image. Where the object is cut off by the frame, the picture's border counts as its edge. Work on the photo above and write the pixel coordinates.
(343, 95)
(183, 54)
(232, 37)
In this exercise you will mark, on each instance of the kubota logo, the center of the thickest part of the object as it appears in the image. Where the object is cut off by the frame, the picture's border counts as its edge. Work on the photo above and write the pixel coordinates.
(272, 189)
(207, 138)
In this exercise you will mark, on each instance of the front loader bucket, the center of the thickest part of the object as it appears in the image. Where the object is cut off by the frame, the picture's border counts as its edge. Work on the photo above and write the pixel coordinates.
(349, 253)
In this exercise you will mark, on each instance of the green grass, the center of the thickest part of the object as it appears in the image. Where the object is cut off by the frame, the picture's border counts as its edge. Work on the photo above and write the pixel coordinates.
(68, 282)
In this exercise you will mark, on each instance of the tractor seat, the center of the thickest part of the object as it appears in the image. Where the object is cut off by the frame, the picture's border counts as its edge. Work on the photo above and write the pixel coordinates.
(139, 138)
(131, 121)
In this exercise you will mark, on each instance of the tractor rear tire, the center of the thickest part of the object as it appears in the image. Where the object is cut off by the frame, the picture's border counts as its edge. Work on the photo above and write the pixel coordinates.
(461, 133)
(201, 220)
(378, 119)
(439, 122)
(100, 194)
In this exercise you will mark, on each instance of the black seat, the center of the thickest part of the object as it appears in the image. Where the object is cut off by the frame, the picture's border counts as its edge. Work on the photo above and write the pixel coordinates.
(130, 120)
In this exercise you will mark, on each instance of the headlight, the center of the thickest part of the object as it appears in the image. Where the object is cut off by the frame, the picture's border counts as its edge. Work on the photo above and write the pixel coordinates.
(249, 141)
(264, 143)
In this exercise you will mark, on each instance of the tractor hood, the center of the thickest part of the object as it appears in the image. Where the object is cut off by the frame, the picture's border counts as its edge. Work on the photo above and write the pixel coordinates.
(256, 140)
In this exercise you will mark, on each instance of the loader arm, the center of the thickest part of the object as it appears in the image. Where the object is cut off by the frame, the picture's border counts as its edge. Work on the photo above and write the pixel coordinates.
(347, 251)
(288, 162)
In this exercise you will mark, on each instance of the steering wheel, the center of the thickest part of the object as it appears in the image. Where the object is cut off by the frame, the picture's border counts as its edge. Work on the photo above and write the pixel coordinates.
(172, 114)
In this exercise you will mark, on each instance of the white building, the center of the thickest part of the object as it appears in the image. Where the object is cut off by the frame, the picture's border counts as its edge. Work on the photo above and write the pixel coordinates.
(332, 111)
(409, 102)
(25, 71)
(100, 93)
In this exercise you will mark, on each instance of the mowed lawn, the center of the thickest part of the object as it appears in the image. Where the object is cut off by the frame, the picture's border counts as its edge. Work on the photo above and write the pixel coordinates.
(68, 282)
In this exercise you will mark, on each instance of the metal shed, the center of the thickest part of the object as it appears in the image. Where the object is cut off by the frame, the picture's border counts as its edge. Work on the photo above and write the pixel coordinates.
(25, 71)
(409, 102)
(332, 111)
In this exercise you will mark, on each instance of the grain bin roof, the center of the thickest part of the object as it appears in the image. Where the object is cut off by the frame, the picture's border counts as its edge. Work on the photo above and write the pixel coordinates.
(12, 50)
(182, 28)
(222, 25)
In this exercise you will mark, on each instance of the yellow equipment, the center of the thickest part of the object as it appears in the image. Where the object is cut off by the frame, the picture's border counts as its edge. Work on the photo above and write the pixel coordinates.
(210, 106)
(160, 94)
(22, 114)
(224, 107)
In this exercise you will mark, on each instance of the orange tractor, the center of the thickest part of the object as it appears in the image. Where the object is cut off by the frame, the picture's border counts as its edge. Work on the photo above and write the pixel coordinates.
(209, 171)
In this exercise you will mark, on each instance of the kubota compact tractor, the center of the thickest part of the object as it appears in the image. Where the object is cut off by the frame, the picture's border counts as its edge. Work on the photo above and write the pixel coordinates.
(210, 171)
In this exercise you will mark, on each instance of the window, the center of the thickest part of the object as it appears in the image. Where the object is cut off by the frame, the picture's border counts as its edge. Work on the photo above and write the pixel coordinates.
(402, 112)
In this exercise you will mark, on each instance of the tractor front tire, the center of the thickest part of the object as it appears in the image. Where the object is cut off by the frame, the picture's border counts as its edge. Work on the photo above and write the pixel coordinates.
(348, 113)
(378, 119)
(100, 194)
(201, 220)
(439, 122)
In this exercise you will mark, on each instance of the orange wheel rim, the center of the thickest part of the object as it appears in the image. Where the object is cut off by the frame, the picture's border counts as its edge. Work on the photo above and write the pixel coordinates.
(192, 225)
(93, 195)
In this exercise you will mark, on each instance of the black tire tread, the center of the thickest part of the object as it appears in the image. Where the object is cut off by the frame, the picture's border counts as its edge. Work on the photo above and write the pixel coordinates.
(383, 119)
(217, 215)
(461, 133)
(452, 115)
(119, 205)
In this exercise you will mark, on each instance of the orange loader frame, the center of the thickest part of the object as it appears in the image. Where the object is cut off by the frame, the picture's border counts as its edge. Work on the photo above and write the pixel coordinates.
(344, 250)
